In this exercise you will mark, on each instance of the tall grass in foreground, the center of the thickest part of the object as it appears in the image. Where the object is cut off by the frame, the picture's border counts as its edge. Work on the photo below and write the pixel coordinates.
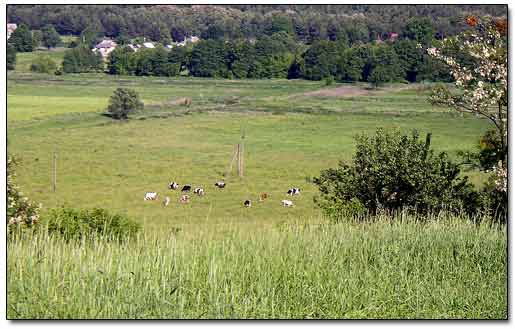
(388, 269)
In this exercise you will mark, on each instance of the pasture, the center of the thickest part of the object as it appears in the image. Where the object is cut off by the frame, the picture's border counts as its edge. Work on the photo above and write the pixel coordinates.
(293, 129)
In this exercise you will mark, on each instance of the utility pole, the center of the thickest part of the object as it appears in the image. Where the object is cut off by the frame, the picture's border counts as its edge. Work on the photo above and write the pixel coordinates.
(54, 170)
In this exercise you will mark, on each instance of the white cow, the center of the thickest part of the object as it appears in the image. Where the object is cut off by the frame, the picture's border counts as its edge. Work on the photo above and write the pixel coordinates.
(173, 186)
(150, 196)
(287, 203)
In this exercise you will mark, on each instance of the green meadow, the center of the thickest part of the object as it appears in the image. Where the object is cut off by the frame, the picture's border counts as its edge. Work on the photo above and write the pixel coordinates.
(213, 258)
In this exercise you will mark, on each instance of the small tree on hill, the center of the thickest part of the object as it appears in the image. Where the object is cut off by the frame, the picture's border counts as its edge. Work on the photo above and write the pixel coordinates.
(122, 102)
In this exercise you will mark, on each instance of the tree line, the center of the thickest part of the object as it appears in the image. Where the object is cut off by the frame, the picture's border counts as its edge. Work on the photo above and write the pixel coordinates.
(280, 56)
(306, 23)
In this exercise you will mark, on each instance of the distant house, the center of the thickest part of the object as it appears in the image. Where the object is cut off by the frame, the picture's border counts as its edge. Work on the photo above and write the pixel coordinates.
(134, 47)
(11, 27)
(193, 39)
(393, 36)
(105, 47)
(148, 45)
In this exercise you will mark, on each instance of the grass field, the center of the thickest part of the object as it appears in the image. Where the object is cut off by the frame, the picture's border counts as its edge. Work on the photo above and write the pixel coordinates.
(293, 129)
(386, 270)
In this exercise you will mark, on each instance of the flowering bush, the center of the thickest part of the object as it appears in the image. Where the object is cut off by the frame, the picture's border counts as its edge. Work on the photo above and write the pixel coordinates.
(21, 212)
(478, 61)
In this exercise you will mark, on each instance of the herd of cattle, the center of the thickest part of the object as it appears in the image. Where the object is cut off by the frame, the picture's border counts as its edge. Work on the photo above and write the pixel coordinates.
(185, 198)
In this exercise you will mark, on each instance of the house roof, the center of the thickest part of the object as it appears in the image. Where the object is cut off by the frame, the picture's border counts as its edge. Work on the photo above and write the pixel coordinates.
(106, 44)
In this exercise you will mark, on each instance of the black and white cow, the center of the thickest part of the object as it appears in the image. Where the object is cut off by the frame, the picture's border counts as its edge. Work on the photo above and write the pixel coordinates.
(173, 186)
(247, 203)
(186, 188)
(199, 191)
(220, 184)
(293, 191)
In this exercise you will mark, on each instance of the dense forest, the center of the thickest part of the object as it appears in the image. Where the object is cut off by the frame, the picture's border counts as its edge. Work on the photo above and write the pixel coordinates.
(336, 42)
(307, 23)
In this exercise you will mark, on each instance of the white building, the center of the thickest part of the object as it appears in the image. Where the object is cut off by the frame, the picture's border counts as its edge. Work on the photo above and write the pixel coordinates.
(11, 27)
(105, 47)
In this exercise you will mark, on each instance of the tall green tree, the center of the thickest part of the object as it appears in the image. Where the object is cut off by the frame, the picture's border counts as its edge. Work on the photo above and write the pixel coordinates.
(120, 61)
(320, 60)
(21, 39)
(50, 37)
(419, 29)
(208, 59)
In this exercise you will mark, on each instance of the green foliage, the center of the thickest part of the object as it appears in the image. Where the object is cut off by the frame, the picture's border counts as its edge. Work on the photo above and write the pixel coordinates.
(93, 223)
(390, 172)
(419, 29)
(491, 150)
(21, 38)
(352, 66)
(320, 60)
(91, 35)
(43, 64)
(383, 66)
(120, 61)
(81, 59)
(122, 102)
(208, 59)
(278, 23)
(21, 213)
(411, 58)
(494, 202)
(50, 37)
(37, 37)
(10, 57)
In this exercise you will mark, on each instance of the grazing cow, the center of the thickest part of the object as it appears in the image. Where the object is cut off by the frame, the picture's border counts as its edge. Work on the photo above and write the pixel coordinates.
(173, 186)
(293, 191)
(287, 203)
(220, 184)
(247, 203)
(263, 196)
(166, 202)
(199, 191)
(184, 198)
(186, 188)
(150, 196)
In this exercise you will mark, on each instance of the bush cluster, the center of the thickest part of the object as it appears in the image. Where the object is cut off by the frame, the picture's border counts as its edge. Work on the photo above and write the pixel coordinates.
(391, 172)
(21, 212)
(89, 223)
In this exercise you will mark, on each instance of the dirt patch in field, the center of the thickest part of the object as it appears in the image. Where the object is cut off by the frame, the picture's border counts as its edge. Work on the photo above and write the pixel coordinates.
(350, 91)
(343, 91)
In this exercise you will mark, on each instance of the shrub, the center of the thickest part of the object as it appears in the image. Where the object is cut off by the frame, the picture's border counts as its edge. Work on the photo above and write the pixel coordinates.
(122, 102)
(21, 212)
(390, 172)
(43, 64)
(89, 223)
